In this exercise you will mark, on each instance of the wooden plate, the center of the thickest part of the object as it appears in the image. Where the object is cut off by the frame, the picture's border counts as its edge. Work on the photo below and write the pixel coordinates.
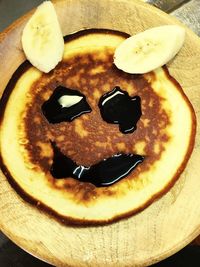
(160, 230)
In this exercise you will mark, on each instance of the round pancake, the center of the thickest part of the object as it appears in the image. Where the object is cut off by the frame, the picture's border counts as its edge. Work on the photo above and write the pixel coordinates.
(164, 135)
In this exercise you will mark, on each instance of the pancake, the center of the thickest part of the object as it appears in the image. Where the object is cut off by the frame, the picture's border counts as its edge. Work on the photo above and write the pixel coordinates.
(164, 135)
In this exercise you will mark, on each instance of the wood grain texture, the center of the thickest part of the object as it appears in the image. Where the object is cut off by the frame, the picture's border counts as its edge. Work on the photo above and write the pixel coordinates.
(160, 230)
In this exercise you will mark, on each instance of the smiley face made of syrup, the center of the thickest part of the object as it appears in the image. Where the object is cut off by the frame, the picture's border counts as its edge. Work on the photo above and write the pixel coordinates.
(116, 107)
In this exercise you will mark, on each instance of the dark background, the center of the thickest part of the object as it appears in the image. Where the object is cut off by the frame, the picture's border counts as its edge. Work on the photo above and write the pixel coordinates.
(10, 10)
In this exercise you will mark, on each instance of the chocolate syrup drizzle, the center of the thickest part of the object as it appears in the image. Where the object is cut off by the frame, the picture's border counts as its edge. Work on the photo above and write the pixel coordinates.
(118, 107)
(103, 173)
(55, 112)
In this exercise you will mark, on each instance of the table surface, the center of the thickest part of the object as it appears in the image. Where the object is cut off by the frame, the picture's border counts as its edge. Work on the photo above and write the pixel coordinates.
(186, 11)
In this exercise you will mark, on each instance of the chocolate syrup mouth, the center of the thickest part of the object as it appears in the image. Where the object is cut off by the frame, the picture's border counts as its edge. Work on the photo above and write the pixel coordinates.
(104, 173)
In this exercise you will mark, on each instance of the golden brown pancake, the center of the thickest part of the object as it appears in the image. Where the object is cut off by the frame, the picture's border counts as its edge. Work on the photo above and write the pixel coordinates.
(164, 136)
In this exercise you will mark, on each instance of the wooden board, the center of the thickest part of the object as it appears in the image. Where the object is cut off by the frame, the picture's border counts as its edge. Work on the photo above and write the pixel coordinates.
(168, 224)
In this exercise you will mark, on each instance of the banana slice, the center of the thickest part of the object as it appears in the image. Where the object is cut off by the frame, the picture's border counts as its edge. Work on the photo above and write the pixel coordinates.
(42, 39)
(150, 49)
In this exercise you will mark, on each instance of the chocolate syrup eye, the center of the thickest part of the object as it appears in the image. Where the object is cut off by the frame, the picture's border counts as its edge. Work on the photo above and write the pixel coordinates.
(65, 105)
(118, 107)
